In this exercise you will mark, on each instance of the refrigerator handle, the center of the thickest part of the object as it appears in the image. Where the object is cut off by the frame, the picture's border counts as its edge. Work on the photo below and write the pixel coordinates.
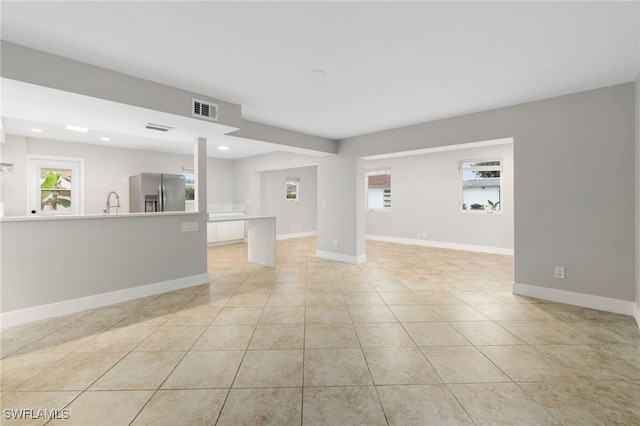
(164, 198)
(160, 199)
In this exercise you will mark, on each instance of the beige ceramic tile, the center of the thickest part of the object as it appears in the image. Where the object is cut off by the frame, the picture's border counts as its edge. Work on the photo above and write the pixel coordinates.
(283, 315)
(269, 406)
(371, 314)
(105, 408)
(18, 368)
(335, 367)
(194, 315)
(501, 403)
(342, 406)
(205, 369)
(586, 403)
(399, 366)
(415, 313)
(238, 316)
(544, 332)
(400, 298)
(434, 334)
(463, 364)
(139, 370)
(76, 371)
(382, 335)
(526, 364)
(363, 298)
(421, 405)
(458, 313)
(120, 339)
(243, 300)
(327, 315)
(286, 299)
(330, 336)
(182, 407)
(316, 298)
(224, 338)
(281, 336)
(437, 298)
(486, 333)
(274, 368)
(172, 338)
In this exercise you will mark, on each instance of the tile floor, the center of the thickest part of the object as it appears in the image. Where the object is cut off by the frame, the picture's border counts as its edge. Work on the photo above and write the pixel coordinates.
(414, 336)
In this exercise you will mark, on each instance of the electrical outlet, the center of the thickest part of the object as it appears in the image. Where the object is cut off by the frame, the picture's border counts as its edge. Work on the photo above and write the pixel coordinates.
(125, 179)
(189, 226)
(559, 272)
(419, 235)
(335, 243)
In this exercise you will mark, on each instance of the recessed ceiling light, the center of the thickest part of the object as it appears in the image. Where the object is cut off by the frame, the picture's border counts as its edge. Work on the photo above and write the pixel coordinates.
(104, 138)
(319, 73)
(36, 130)
(223, 148)
(77, 128)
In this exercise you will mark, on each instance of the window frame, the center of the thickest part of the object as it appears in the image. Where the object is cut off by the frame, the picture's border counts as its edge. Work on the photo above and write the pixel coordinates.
(35, 163)
(462, 169)
(287, 182)
(374, 172)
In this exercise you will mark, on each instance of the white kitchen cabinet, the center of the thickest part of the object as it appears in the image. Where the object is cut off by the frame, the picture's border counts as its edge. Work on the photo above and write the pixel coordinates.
(212, 234)
(220, 232)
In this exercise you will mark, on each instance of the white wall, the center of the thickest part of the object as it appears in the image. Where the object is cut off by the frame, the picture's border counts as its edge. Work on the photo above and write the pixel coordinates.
(248, 172)
(292, 217)
(105, 170)
(559, 143)
(425, 199)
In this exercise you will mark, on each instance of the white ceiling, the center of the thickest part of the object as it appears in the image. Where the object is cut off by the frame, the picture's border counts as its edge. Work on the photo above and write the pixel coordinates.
(386, 64)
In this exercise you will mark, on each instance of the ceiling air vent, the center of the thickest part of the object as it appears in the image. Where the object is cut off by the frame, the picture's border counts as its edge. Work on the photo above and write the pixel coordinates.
(203, 109)
(158, 127)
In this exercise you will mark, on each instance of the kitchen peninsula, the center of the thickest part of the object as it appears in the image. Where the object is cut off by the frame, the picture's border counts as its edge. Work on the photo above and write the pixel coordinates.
(261, 236)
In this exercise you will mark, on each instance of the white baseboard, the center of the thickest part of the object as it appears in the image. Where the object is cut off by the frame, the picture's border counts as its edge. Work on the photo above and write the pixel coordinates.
(22, 316)
(636, 313)
(296, 235)
(441, 244)
(600, 303)
(341, 257)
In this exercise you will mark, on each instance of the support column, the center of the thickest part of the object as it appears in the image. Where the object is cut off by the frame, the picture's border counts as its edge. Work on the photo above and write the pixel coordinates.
(341, 209)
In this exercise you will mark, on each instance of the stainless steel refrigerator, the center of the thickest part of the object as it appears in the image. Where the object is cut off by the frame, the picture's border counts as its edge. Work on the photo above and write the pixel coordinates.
(156, 192)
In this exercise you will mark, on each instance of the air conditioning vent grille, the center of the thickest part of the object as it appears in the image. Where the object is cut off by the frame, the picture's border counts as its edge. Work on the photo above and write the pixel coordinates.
(202, 109)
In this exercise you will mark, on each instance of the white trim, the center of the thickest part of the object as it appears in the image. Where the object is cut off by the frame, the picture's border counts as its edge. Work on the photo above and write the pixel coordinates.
(341, 257)
(22, 316)
(296, 235)
(617, 306)
(636, 313)
(442, 244)
(503, 141)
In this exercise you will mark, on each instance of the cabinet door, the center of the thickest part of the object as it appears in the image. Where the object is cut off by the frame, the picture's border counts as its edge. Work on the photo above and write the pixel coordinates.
(224, 231)
(237, 230)
(211, 233)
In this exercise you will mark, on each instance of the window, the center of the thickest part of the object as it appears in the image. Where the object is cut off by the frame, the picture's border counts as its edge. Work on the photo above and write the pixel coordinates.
(292, 186)
(55, 185)
(480, 185)
(378, 188)
(189, 184)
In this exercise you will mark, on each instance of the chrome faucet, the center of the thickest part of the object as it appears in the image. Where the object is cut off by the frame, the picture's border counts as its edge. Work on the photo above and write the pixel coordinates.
(108, 206)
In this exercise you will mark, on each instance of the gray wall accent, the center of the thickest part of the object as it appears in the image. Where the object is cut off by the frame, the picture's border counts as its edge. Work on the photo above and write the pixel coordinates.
(263, 132)
(341, 206)
(84, 257)
(105, 168)
(561, 143)
(44, 69)
(248, 172)
(292, 217)
(425, 194)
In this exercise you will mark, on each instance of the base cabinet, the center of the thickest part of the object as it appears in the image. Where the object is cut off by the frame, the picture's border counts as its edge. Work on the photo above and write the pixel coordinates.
(220, 232)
